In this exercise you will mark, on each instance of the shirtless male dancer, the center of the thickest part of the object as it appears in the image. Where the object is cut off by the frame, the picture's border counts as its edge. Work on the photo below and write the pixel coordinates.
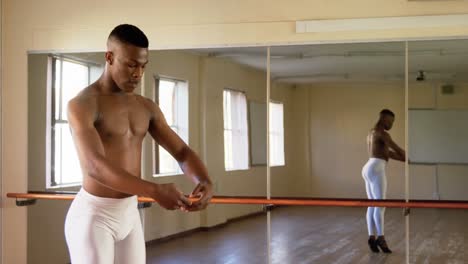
(108, 123)
(381, 148)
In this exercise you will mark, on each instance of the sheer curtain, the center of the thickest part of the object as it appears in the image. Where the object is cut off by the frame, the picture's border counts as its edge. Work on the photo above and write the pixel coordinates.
(276, 134)
(235, 131)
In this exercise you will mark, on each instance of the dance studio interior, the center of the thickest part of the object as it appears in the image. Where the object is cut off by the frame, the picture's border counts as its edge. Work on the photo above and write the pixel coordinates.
(277, 98)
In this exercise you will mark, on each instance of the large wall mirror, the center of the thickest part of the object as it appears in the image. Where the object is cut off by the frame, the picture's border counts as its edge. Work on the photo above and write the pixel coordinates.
(437, 139)
(215, 99)
(323, 107)
(325, 102)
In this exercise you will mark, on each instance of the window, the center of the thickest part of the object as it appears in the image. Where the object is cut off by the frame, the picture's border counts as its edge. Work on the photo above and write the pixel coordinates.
(276, 134)
(172, 97)
(236, 146)
(68, 78)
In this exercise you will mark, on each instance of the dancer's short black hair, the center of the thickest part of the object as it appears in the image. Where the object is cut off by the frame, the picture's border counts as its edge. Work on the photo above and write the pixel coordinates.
(129, 34)
(387, 112)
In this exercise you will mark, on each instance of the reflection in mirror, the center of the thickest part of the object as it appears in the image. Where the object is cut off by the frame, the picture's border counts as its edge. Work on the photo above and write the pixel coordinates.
(325, 101)
(214, 99)
(332, 96)
(438, 147)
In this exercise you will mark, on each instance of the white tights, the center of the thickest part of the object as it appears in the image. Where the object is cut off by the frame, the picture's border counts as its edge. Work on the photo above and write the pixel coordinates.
(104, 230)
(376, 188)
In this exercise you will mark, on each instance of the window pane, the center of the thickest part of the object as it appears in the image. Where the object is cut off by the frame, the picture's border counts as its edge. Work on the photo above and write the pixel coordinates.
(182, 110)
(167, 163)
(75, 78)
(167, 100)
(95, 72)
(276, 134)
(227, 110)
(236, 131)
(173, 102)
(67, 166)
(57, 87)
(69, 78)
(58, 155)
(228, 161)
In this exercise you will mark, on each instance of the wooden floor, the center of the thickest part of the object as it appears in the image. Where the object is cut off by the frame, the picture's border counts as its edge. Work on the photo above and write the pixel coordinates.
(322, 235)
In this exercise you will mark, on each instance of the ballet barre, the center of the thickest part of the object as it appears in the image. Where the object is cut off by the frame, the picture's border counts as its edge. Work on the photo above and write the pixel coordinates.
(25, 199)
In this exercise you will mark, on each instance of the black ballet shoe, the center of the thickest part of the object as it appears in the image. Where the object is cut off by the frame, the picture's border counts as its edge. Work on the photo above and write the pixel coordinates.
(373, 245)
(382, 244)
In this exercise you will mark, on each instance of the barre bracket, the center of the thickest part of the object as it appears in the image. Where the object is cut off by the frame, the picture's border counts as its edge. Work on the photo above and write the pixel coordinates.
(406, 211)
(144, 205)
(26, 202)
(268, 207)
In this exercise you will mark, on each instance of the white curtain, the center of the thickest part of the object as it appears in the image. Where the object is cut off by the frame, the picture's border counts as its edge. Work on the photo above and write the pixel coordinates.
(276, 134)
(236, 140)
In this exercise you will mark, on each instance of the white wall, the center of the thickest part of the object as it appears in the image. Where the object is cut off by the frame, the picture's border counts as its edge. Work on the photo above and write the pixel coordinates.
(292, 179)
(83, 25)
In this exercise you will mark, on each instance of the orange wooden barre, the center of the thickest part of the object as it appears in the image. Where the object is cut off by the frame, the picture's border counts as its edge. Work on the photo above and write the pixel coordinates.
(283, 201)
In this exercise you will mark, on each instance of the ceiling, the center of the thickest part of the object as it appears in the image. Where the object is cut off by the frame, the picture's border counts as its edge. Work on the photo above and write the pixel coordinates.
(445, 61)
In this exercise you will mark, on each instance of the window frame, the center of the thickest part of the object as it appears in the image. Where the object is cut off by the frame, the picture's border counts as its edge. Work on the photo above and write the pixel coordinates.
(52, 181)
(155, 146)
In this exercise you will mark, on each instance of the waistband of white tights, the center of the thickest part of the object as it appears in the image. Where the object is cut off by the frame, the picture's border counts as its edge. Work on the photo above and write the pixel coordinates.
(107, 202)
(377, 160)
